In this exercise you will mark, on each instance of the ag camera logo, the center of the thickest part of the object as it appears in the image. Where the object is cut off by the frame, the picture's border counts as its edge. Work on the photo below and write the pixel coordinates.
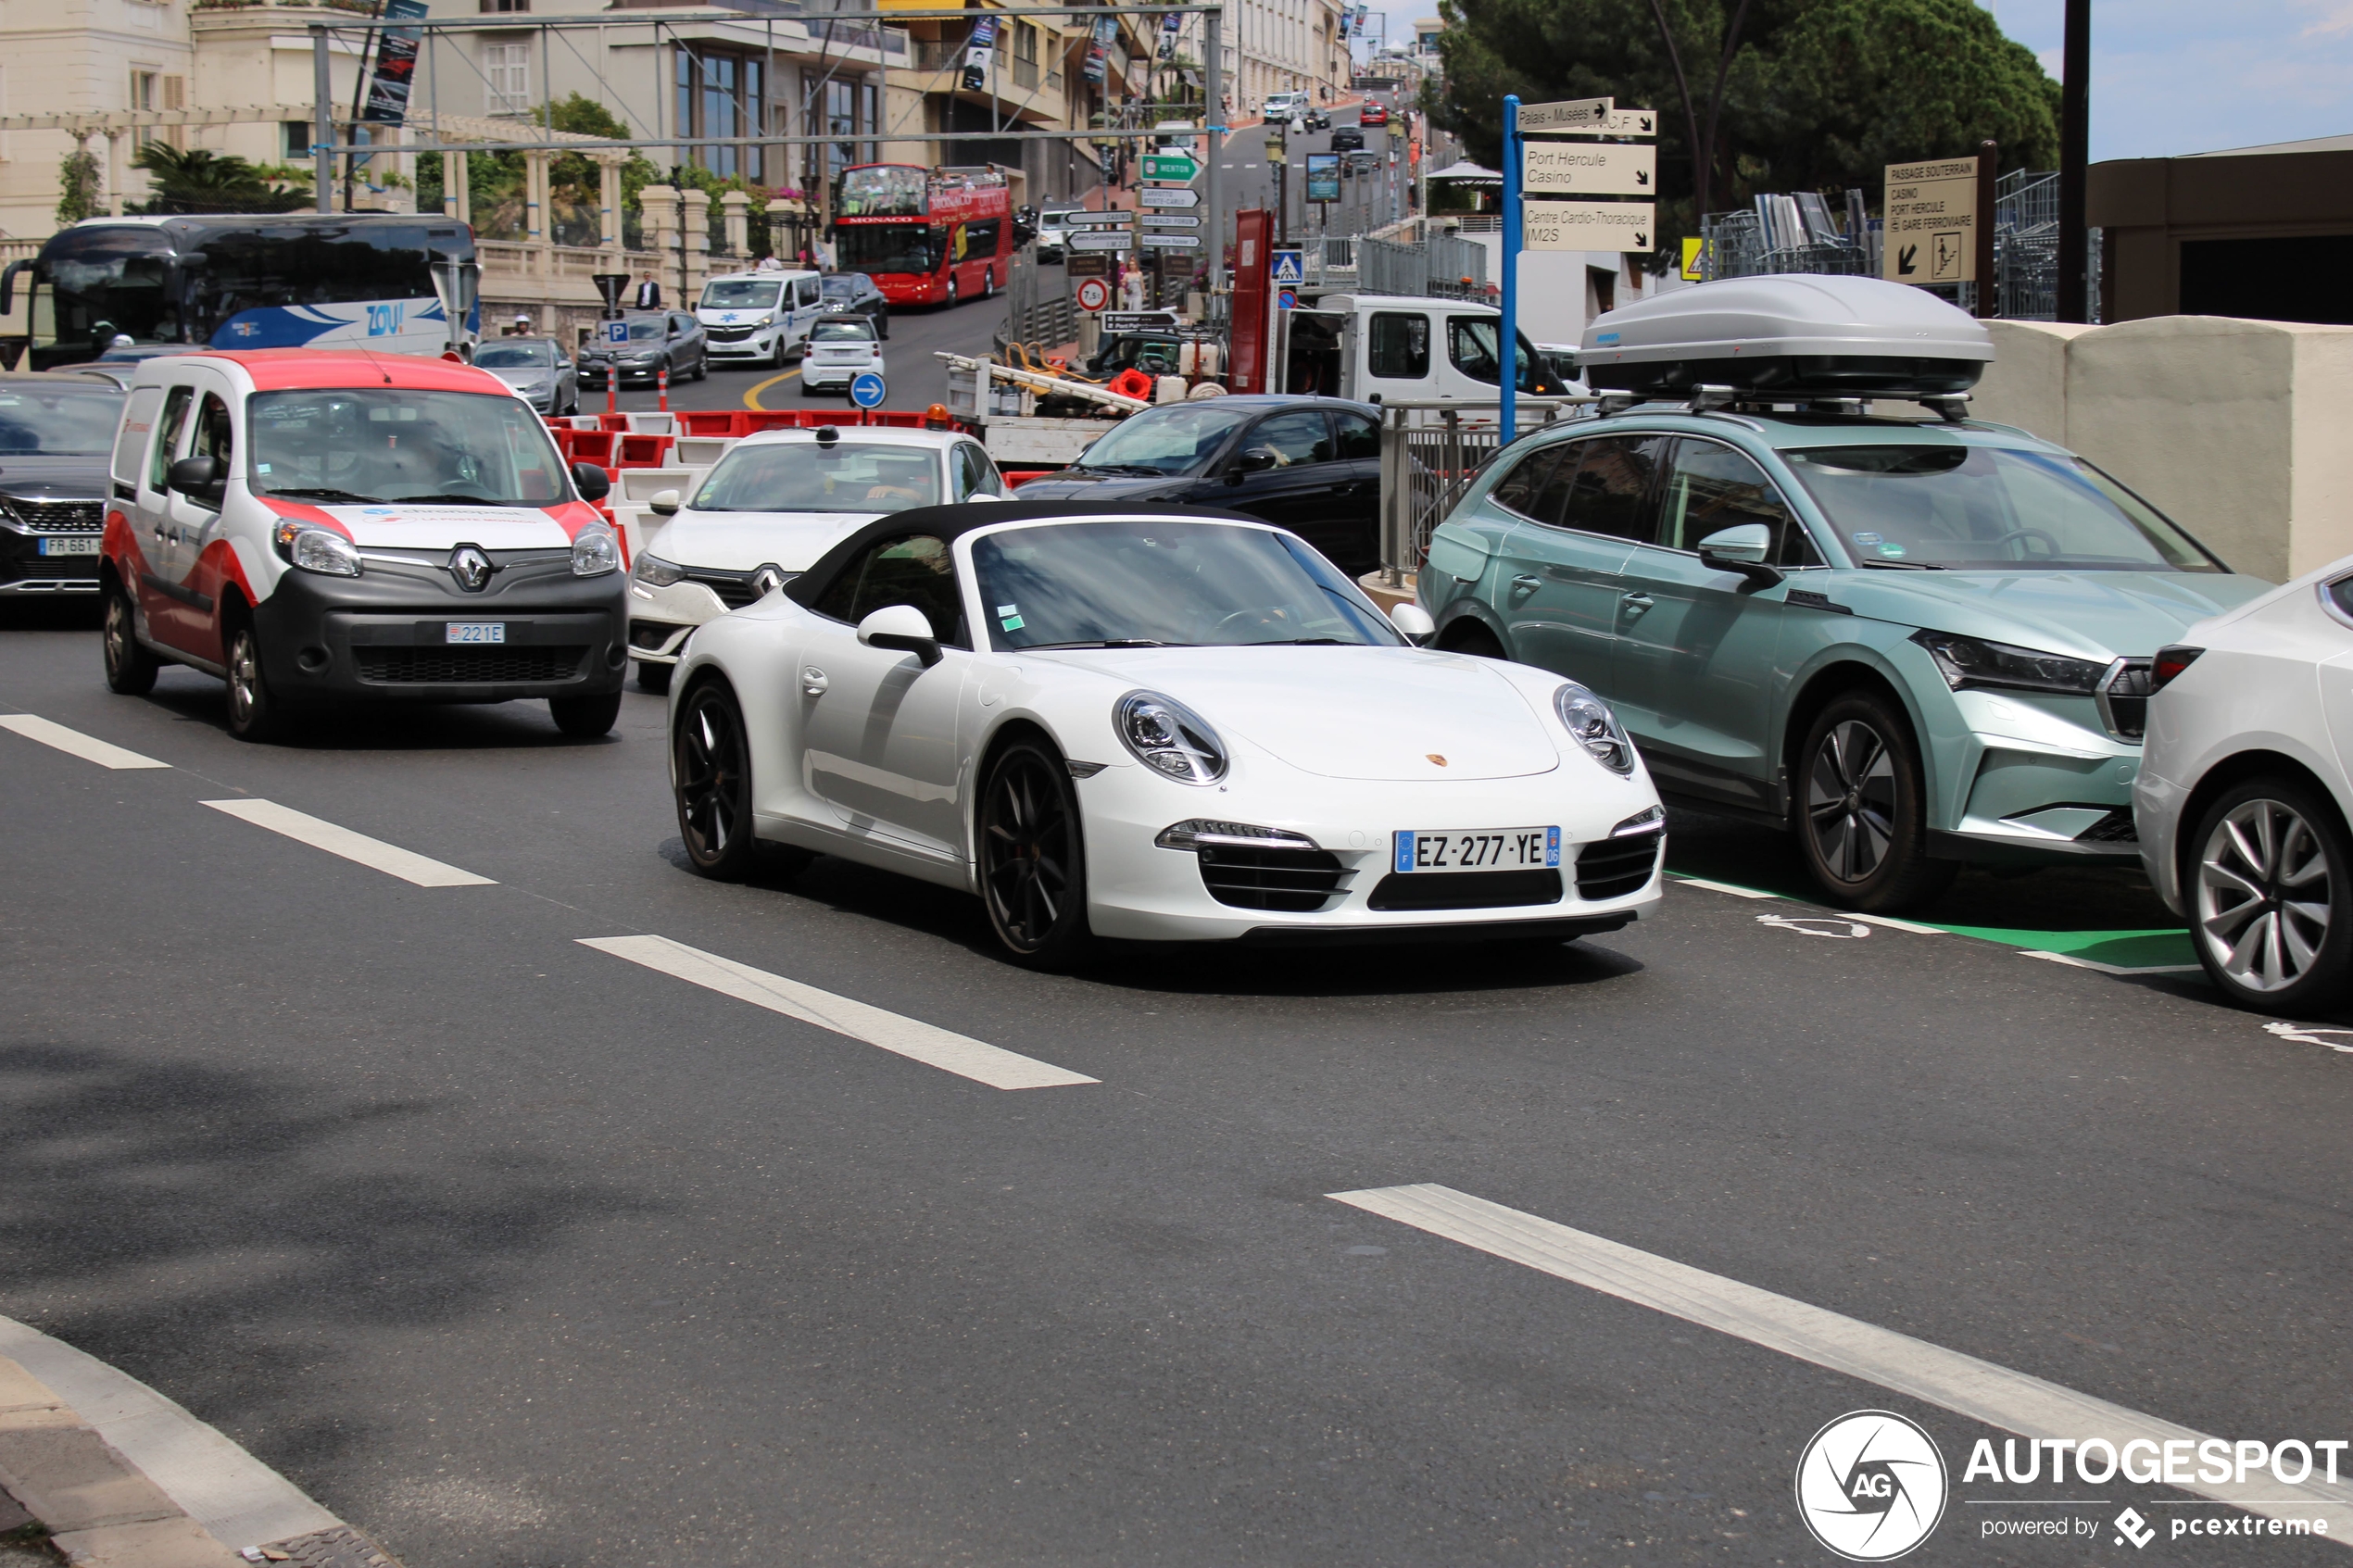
(1872, 1485)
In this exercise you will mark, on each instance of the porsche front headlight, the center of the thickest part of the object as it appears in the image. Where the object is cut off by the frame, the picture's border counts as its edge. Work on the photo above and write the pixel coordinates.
(1588, 718)
(1170, 738)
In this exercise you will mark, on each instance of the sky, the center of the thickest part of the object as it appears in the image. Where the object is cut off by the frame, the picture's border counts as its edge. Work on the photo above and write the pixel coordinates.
(2180, 76)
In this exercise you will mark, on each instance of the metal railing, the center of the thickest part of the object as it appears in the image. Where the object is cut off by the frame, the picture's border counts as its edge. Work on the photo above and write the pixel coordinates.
(1430, 453)
(1438, 265)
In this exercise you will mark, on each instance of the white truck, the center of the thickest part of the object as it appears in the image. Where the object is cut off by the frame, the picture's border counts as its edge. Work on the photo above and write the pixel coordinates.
(1403, 348)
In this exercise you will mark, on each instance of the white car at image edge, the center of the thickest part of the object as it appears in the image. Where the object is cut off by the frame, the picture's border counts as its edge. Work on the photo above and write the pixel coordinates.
(1156, 724)
(2242, 799)
(839, 350)
(774, 503)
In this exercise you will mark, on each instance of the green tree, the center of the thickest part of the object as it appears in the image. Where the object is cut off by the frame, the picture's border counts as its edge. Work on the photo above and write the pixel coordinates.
(1818, 94)
(78, 186)
(199, 181)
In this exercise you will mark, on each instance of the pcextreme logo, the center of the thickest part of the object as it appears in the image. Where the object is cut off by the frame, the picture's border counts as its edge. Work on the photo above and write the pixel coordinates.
(1872, 1485)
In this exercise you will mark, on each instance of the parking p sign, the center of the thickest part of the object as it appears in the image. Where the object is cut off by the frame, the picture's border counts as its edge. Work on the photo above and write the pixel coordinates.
(616, 331)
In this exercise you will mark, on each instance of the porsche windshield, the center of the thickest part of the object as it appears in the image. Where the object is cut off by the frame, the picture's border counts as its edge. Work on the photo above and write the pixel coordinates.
(1988, 509)
(357, 445)
(1165, 584)
(802, 476)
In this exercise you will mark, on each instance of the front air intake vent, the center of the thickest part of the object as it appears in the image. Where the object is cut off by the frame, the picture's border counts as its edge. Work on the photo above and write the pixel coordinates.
(1251, 877)
(1616, 866)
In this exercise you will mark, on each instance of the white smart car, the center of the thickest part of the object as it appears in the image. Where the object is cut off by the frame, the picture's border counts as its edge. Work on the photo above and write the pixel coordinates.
(1152, 724)
(840, 349)
(772, 505)
(2242, 799)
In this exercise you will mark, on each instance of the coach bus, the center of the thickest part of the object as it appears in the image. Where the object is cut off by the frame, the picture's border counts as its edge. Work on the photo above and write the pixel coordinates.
(927, 236)
(284, 281)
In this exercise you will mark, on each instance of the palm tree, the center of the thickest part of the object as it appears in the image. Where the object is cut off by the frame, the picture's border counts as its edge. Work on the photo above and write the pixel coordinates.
(202, 181)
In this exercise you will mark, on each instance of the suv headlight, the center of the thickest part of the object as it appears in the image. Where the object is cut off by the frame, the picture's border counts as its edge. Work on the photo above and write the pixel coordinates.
(656, 572)
(595, 552)
(1589, 718)
(316, 549)
(1170, 738)
(1972, 662)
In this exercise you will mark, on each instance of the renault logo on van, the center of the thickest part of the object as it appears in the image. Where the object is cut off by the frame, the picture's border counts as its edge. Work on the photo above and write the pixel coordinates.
(470, 567)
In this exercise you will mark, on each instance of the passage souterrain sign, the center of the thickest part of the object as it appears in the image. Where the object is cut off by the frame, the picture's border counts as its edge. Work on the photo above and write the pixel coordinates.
(1932, 222)
(1590, 168)
(1588, 225)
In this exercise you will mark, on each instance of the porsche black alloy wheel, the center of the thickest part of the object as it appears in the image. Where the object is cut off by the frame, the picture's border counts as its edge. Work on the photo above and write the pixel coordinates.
(1862, 808)
(712, 765)
(1033, 857)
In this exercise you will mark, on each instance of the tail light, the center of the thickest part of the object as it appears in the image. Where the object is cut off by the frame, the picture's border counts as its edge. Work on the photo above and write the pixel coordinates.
(2169, 663)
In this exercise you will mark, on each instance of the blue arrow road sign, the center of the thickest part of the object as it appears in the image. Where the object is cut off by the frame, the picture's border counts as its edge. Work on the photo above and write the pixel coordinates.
(866, 390)
(1289, 266)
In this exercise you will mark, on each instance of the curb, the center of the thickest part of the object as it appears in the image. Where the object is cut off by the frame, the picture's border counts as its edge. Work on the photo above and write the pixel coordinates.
(118, 1476)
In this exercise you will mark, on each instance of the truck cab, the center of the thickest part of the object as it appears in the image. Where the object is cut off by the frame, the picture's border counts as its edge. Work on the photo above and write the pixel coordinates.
(1390, 348)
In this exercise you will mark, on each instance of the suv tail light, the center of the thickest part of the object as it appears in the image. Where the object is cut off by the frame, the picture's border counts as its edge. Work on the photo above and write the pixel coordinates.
(2169, 663)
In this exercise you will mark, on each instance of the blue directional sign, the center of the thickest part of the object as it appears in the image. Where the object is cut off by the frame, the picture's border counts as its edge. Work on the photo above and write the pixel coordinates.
(616, 331)
(866, 390)
(1290, 267)
(1286, 299)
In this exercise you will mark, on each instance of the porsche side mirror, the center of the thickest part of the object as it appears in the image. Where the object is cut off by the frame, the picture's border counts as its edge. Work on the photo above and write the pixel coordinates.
(1743, 549)
(591, 482)
(1413, 622)
(664, 503)
(902, 629)
(192, 476)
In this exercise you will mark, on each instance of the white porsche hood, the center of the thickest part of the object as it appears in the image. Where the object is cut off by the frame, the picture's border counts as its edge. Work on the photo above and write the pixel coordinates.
(744, 541)
(394, 526)
(1351, 712)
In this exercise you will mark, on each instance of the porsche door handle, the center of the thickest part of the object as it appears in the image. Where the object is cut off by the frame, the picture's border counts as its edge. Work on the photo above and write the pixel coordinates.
(812, 682)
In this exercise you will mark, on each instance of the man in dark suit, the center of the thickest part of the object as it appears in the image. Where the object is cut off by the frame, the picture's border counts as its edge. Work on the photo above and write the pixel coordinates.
(649, 293)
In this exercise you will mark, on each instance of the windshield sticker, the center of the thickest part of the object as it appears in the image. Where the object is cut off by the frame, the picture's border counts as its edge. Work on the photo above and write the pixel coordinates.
(1867, 540)
(263, 468)
(1009, 617)
(1892, 552)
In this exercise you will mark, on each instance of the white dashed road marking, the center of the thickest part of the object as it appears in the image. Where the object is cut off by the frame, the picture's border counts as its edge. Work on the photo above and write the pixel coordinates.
(960, 1053)
(1964, 1385)
(74, 743)
(374, 853)
(1724, 887)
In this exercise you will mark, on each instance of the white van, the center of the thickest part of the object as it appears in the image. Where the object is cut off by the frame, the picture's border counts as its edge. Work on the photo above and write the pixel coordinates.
(1377, 348)
(758, 317)
(1286, 106)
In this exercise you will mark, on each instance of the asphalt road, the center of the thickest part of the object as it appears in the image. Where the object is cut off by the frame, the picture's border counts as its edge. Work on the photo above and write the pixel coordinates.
(1367, 202)
(516, 1254)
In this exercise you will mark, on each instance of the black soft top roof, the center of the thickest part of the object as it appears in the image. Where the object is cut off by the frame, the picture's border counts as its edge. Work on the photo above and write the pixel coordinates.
(952, 521)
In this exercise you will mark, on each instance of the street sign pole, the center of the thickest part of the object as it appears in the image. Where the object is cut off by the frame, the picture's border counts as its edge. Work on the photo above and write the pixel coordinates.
(1510, 324)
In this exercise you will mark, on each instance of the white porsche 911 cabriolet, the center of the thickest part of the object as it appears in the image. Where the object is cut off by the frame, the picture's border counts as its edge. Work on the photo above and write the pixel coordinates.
(1152, 724)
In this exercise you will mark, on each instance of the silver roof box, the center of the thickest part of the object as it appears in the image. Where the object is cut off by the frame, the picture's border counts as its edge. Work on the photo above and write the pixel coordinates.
(1787, 337)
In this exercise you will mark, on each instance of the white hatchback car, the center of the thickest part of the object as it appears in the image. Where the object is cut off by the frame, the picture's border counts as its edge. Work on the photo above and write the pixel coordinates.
(2242, 800)
(1154, 724)
(840, 348)
(770, 508)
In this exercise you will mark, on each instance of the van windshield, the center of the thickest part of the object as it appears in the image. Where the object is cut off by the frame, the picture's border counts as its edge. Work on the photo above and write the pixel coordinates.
(741, 294)
(1989, 508)
(358, 446)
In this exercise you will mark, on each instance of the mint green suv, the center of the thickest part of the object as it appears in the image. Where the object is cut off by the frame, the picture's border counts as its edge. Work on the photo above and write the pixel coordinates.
(1914, 643)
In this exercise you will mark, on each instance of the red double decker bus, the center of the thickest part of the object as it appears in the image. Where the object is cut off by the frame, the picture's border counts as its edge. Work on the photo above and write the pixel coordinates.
(927, 236)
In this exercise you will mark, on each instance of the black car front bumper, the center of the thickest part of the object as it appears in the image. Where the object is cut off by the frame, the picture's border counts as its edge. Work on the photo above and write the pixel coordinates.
(28, 565)
(385, 634)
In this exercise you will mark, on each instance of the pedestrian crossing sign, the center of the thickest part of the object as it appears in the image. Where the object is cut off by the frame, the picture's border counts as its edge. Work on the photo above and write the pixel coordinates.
(1288, 265)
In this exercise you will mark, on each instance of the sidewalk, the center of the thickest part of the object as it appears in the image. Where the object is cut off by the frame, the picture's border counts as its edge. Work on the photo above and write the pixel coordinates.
(67, 1492)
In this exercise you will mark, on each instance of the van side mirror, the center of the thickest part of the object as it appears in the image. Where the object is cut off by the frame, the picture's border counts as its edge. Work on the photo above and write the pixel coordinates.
(192, 476)
(591, 482)
(903, 629)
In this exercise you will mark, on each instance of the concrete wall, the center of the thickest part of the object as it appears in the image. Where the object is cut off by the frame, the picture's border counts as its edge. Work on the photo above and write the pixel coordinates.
(2235, 430)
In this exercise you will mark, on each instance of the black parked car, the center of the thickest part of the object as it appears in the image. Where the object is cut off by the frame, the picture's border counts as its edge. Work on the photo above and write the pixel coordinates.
(658, 340)
(56, 433)
(854, 293)
(1347, 139)
(1308, 464)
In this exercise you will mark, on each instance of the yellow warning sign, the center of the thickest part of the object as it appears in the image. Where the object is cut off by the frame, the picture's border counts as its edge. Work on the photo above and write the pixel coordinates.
(1931, 222)
(1691, 248)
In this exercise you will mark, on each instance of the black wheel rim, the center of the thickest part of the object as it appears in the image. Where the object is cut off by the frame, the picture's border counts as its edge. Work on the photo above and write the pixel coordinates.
(1025, 844)
(1850, 801)
(710, 773)
(119, 633)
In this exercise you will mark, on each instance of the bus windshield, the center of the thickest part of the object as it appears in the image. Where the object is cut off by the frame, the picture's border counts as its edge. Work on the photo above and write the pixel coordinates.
(109, 280)
(881, 190)
(887, 248)
(360, 447)
(741, 294)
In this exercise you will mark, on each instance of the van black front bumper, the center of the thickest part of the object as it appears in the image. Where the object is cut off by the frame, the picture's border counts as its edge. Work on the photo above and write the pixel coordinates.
(386, 635)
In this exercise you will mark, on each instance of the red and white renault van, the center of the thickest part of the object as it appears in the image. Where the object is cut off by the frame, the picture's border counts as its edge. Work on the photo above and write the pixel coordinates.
(325, 527)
